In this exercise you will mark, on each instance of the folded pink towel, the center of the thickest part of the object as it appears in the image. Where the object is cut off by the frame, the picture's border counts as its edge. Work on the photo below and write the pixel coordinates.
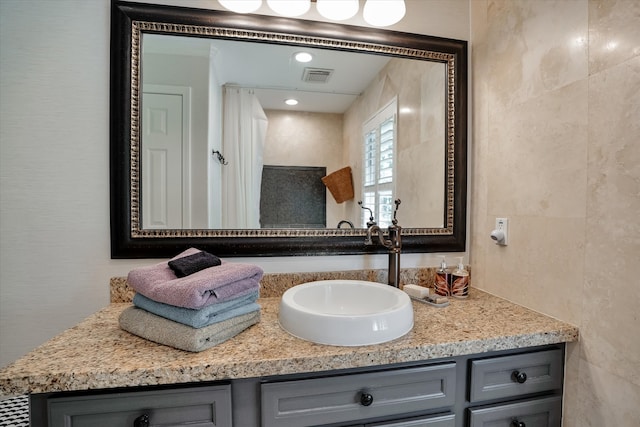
(209, 286)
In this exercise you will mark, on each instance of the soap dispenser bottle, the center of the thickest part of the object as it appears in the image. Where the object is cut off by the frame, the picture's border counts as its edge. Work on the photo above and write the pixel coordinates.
(460, 282)
(442, 279)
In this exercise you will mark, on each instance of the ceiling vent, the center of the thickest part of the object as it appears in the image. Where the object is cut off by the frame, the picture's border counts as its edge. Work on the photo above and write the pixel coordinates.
(317, 75)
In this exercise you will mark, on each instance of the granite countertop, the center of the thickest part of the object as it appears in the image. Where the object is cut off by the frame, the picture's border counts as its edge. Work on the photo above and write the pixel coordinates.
(97, 354)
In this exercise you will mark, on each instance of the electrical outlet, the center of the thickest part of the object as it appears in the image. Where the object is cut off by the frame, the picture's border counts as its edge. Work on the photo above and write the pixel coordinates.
(502, 224)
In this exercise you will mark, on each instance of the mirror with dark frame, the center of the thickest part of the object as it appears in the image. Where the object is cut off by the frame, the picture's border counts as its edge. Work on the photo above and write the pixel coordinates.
(430, 175)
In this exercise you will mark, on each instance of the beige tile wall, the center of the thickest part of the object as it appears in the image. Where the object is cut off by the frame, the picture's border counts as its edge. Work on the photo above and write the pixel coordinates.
(556, 149)
(419, 88)
(306, 139)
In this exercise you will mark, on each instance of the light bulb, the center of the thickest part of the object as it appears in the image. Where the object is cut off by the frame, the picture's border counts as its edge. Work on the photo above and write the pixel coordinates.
(337, 10)
(382, 13)
(291, 101)
(289, 7)
(303, 57)
(241, 6)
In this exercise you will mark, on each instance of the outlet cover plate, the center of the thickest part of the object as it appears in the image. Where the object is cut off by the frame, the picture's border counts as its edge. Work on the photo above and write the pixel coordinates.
(503, 225)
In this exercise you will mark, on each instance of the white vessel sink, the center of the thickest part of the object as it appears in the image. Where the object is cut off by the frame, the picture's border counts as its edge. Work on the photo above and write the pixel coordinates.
(346, 312)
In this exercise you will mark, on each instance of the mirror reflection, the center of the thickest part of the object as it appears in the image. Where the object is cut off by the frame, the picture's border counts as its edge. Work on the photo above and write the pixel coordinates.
(220, 149)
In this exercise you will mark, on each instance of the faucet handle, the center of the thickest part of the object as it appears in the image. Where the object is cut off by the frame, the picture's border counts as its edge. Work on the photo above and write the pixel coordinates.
(397, 202)
(371, 221)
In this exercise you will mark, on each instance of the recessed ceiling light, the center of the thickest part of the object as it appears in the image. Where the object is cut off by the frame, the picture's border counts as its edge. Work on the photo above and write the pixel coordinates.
(303, 57)
(291, 101)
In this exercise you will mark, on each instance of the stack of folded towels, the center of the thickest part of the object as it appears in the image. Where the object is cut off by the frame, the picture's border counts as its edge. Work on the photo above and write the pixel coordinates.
(193, 302)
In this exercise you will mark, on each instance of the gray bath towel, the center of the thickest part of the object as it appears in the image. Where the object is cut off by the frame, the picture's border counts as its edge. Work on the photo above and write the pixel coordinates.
(173, 334)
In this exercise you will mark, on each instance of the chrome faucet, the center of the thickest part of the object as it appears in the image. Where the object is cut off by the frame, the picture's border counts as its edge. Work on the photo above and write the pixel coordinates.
(393, 243)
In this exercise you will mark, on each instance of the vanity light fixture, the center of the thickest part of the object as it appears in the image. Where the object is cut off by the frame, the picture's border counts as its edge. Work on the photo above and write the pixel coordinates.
(337, 10)
(303, 56)
(290, 8)
(244, 6)
(291, 101)
(382, 13)
(378, 13)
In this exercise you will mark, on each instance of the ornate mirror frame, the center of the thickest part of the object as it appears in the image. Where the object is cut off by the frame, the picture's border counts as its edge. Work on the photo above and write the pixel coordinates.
(128, 240)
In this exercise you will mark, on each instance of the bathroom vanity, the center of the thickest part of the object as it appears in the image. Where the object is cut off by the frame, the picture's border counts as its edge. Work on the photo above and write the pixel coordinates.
(478, 362)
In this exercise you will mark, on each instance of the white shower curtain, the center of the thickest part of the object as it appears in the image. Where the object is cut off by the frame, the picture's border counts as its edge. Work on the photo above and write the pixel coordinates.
(245, 128)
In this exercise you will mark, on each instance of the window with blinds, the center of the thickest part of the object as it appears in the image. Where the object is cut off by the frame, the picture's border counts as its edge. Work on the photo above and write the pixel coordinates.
(379, 165)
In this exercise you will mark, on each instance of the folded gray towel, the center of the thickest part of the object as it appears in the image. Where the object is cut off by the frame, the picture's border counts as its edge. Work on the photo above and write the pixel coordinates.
(193, 263)
(173, 334)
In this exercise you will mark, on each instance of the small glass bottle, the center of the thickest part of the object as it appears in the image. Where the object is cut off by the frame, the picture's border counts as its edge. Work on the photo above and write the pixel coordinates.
(442, 279)
(460, 282)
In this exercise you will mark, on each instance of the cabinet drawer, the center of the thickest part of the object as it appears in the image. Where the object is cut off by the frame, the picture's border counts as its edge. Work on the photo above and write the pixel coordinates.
(448, 420)
(543, 412)
(497, 377)
(343, 398)
(195, 407)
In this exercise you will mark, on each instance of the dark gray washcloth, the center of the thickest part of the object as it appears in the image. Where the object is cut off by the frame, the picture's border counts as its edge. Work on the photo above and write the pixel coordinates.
(190, 264)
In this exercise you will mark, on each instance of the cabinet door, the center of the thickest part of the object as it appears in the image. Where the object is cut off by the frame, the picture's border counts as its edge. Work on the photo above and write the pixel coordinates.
(195, 407)
(544, 412)
(517, 375)
(448, 420)
(354, 397)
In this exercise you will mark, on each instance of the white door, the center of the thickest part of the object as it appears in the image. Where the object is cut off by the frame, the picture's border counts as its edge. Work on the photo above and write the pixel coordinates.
(162, 159)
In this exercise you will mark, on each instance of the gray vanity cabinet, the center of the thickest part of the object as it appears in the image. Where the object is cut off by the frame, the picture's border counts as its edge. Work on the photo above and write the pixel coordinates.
(509, 388)
(517, 375)
(194, 407)
(353, 397)
(542, 412)
(447, 420)
(495, 382)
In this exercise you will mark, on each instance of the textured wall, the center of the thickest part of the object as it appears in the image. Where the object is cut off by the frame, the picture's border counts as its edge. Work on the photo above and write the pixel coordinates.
(54, 159)
(555, 146)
